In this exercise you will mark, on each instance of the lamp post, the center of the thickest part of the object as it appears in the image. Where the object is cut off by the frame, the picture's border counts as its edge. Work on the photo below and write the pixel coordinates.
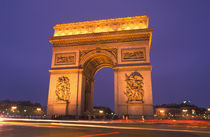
(127, 111)
(14, 107)
(39, 109)
(162, 113)
(184, 113)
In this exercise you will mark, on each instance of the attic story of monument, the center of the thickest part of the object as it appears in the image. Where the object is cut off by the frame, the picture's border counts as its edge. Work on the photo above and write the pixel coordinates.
(81, 49)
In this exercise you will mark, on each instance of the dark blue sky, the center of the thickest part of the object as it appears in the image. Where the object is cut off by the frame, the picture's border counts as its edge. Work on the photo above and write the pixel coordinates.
(180, 52)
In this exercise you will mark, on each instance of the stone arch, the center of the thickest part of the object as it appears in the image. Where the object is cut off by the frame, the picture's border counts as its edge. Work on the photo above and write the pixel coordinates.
(96, 52)
(91, 63)
(79, 52)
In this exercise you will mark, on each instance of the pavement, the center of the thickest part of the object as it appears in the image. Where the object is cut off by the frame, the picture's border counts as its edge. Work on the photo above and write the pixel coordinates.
(114, 128)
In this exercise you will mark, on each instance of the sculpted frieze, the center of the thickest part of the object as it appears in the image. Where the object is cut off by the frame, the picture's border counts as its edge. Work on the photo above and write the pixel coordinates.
(113, 51)
(134, 89)
(136, 54)
(63, 88)
(65, 58)
(98, 50)
(106, 41)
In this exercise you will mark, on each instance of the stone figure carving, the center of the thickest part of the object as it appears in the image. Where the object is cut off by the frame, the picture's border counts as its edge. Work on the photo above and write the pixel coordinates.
(65, 58)
(63, 88)
(98, 50)
(63, 91)
(137, 54)
(134, 90)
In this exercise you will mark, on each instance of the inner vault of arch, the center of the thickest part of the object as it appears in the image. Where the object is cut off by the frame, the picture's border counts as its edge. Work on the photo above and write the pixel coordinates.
(90, 67)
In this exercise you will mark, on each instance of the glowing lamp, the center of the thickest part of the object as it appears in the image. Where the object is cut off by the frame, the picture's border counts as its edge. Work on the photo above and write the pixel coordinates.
(101, 111)
(38, 109)
(184, 110)
(14, 107)
(162, 111)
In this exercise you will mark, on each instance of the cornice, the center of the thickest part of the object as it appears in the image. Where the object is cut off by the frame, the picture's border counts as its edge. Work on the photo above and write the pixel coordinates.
(104, 25)
(102, 38)
(139, 66)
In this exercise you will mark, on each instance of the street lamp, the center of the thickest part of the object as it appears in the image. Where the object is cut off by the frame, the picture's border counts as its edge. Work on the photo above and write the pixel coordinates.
(101, 111)
(184, 110)
(38, 109)
(14, 107)
(126, 117)
(162, 111)
(184, 113)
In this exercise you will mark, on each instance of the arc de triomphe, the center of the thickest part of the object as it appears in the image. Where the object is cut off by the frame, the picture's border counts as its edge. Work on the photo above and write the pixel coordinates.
(80, 49)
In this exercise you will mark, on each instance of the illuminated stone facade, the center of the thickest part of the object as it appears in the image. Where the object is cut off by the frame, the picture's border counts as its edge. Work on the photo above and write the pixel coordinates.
(81, 49)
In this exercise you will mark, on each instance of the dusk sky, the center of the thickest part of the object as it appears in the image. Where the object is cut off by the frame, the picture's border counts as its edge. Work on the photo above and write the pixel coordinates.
(180, 50)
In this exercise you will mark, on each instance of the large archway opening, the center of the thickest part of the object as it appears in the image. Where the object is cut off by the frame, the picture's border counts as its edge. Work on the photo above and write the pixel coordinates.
(104, 88)
(93, 67)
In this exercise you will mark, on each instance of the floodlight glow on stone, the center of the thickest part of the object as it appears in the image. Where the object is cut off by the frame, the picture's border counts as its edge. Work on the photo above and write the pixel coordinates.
(98, 26)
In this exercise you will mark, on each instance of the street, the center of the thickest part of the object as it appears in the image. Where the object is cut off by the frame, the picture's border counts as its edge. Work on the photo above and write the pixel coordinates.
(117, 128)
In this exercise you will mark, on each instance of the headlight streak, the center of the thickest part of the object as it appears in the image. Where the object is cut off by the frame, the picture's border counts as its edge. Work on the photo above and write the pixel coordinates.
(64, 124)
(132, 128)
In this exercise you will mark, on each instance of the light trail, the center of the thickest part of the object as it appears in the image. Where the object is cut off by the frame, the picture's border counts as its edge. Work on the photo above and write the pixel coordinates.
(48, 125)
(102, 134)
(135, 128)
(66, 123)
(205, 123)
(46, 120)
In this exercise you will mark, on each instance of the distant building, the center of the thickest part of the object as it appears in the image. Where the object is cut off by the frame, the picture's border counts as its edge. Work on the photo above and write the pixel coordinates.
(185, 110)
(208, 113)
(100, 112)
(21, 109)
(167, 113)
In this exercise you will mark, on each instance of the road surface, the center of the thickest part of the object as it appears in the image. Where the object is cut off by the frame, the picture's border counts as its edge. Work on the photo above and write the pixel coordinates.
(117, 128)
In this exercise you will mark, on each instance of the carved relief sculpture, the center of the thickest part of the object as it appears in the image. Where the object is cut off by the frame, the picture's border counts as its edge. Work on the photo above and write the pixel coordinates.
(63, 88)
(137, 54)
(110, 50)
(65, 59)
(134, 90)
